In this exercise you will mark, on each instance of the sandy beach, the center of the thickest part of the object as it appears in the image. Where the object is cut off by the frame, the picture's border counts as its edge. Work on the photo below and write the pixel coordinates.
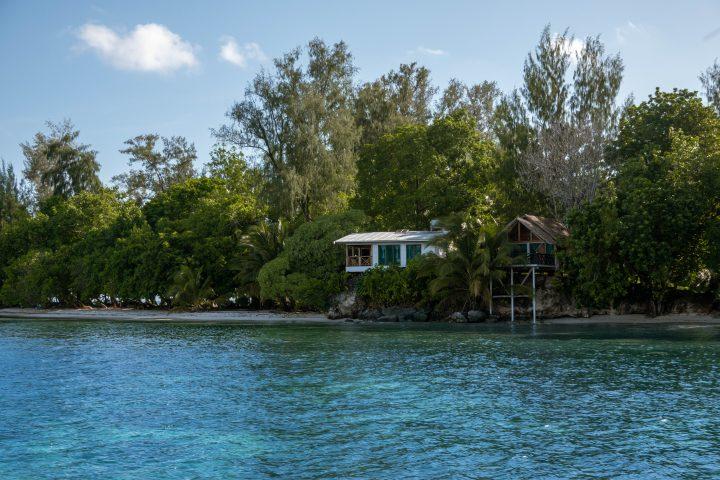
(160, 316)
(306, 318)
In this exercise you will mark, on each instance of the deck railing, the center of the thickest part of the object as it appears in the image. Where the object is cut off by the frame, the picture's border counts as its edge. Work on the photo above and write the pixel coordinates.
(359, 261)
(544, 259)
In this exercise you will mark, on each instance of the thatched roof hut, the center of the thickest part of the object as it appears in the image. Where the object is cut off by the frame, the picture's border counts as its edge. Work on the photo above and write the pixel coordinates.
(531, 228)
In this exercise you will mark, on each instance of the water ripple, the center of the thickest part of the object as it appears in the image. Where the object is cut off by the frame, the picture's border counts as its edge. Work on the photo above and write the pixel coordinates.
(98, 400)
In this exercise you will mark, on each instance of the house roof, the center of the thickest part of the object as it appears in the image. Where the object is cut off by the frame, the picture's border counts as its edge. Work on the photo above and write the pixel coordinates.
(402, 236)
(548, 229)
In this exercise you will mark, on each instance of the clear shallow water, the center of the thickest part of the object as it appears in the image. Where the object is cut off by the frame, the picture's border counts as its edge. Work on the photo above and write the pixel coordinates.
(84, 400)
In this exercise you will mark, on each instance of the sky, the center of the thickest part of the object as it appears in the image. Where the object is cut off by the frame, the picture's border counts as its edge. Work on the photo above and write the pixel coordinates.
(120, 69)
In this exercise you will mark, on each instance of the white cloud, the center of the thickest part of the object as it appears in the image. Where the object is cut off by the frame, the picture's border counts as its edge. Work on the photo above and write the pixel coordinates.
(238, 55)
(148, 48)
(624, 33)
(428, 51)
(571, 46)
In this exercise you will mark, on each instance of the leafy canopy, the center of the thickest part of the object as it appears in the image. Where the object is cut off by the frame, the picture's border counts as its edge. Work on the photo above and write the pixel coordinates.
(418, 173)
(56, 164)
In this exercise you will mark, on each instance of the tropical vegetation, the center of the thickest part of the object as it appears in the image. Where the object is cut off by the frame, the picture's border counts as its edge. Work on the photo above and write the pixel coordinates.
(309, 154)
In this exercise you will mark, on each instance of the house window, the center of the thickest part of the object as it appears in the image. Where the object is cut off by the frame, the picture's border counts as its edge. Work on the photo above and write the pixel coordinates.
(413, 251)
(537, 248)
(542, 254)
(389, 254)
(359, 256)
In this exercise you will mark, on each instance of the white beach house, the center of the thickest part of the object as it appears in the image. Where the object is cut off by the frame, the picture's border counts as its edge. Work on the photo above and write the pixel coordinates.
(366, 250)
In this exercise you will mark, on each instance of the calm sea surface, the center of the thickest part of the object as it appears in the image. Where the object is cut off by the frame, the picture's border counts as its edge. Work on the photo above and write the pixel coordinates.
(127, 400)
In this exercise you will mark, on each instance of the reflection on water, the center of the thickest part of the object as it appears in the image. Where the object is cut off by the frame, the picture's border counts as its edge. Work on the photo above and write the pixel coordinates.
(84, 399)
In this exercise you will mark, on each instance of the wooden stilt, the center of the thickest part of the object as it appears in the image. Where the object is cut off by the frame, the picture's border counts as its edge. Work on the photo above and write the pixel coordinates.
(491, 295)
(534, 305)
(512, 295)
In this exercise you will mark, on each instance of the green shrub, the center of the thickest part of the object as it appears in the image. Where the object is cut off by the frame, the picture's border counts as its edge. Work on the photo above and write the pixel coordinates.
(382, 286)
(29, 281)
(272, 279)
(311, 268)
(309, 293)
(385, 286)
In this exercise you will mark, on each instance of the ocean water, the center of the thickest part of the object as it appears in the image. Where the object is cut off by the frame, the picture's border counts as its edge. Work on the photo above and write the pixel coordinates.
(129, 400)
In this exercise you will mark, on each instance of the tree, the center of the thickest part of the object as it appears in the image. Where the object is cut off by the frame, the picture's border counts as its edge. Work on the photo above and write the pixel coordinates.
(19, 236)
(231, 167)
(159, 169)
(593, 264)
(401, 97)
(311, 268)
(667, 188)
(653, 231)
(261, 244)
(299, 121)
(81, 232)
(28, 283)
(189, 289)
(566, 164)
(479, 100)
(137, 268)
(710, 80)
(64, 249)
(56, 164)
(475, 257)
(418, 173)
(13, 199)
(199, 222)
(533, 124)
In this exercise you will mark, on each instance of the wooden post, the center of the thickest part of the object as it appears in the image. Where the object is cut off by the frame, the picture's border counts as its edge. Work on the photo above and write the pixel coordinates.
(491, 295)
(533, 294)
(512, 295)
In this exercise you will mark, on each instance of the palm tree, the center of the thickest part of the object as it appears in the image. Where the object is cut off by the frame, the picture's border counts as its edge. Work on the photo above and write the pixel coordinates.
(262, 243)
(475, 256)
(189, 289)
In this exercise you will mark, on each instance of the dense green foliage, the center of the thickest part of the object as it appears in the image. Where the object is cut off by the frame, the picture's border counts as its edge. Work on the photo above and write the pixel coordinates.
(299, 121)
(477, 255)
(418, 172)
(383, 286)
(261, 244)
(390, 286)
(310, 268)
(64, 249)
(638, 185)
(648, 237)
(97, 248)
(160, 169)
(57, 165)
(13, 199)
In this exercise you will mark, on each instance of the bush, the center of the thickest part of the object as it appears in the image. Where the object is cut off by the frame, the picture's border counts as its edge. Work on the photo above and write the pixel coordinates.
(311, 269)
(29, 282)
(382, 286)
(272, 280)
(385, 286)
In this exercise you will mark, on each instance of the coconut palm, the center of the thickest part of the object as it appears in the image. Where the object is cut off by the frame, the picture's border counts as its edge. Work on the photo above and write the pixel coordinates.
(475, 256)
(189, 289)
(262, 243)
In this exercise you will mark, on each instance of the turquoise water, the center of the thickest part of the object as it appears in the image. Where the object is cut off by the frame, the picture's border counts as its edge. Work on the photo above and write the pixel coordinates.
(113, 400)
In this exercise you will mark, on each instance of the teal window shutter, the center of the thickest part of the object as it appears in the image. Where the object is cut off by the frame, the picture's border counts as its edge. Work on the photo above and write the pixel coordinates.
(395, 255)
(389, 254)
(412, 251)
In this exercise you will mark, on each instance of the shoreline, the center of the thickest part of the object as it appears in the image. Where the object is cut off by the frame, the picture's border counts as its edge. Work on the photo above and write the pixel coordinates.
(240, 317)
(268, 317)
